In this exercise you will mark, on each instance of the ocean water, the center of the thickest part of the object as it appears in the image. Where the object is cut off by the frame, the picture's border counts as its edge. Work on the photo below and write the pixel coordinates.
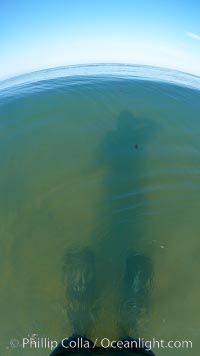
(100, 164)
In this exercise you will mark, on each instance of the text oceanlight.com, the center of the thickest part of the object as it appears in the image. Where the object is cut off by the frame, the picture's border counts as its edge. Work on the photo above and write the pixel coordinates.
(34, 342)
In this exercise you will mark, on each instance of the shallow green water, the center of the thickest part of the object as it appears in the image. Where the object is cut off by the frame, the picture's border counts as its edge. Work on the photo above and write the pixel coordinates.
(111, 163)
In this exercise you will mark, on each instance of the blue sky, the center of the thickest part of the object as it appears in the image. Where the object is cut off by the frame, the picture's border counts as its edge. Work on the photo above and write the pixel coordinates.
(38, 34)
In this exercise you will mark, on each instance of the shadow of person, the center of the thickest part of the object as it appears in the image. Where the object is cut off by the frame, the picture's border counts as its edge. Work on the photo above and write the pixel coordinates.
(114, 269)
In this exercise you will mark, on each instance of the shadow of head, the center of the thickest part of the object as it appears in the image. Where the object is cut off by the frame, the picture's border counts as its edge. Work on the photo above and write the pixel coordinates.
(131, 135)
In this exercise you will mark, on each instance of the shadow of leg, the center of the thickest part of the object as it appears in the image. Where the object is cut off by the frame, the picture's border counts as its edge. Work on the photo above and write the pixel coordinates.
(80, 289)
(136, 290)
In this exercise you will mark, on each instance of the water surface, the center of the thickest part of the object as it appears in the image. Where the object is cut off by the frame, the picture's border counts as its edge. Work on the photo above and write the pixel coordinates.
(104, 158)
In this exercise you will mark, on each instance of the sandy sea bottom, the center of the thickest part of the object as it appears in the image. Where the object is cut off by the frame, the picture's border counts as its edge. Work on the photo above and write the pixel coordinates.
(109, 165)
